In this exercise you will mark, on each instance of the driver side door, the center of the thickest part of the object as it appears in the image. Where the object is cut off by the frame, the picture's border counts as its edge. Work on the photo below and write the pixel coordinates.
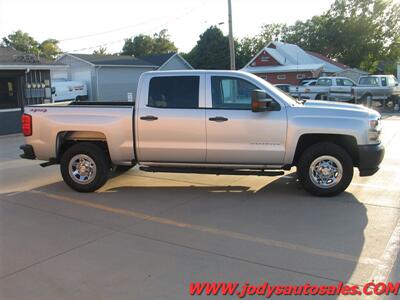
(235, 134)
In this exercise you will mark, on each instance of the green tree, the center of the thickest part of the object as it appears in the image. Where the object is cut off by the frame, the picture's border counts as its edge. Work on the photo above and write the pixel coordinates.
(100, 51)
(49, 49)
(141, 44)
(211, 50)
(359, 33)
(22, 41)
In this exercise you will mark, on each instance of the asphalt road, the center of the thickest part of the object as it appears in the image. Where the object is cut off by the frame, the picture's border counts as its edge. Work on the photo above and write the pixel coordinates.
(147, 236)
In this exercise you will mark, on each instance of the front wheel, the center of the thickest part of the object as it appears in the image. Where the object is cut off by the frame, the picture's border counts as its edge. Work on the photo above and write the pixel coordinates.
(325, 169)
(84, 167)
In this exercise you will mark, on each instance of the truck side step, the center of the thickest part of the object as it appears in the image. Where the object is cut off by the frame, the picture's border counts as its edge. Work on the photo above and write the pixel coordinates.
(212, 171)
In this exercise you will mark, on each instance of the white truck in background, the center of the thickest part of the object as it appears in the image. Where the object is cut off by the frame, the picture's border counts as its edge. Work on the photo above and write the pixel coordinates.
(63, 90)
(326, 88)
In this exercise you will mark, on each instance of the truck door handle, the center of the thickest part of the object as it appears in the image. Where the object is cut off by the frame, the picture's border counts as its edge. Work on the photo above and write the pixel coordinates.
(218, 119)
(149, 118)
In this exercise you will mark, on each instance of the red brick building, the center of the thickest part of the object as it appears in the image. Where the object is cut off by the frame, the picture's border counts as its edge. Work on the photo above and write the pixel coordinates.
(280, 62)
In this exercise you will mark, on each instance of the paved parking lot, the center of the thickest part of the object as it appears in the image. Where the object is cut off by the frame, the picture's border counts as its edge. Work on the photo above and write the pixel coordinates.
(147, 236)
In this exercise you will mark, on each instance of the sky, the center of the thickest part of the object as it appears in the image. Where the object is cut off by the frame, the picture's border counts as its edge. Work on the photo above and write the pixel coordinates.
(82, 26)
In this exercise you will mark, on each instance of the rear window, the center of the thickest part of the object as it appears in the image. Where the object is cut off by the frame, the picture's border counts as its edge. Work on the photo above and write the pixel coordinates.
(174, 92)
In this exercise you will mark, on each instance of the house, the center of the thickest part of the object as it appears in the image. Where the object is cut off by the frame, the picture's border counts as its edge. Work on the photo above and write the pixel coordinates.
(352, 73)
(280, 62)
(115, 77)
(24, 79)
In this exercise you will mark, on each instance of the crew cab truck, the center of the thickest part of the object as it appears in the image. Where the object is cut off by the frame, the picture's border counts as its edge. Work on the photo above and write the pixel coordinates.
(327, 88)
(217, 122)
(381, 88)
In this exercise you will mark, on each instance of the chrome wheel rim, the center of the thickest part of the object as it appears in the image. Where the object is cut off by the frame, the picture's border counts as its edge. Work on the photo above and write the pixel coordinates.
(326, 171)
(82, 169)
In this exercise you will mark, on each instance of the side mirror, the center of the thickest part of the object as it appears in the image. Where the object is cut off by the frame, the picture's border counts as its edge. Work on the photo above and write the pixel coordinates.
(260, 101)
(53, 90)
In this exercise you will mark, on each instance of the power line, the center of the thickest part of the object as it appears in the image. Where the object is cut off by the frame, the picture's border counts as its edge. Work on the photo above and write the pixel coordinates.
(146, 31)
(105, 32)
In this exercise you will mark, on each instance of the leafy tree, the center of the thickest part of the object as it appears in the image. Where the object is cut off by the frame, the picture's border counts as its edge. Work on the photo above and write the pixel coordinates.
(100, 51)
(141, 44)
(211, 50)
(22, 41)
(359, 33)
(49, 49)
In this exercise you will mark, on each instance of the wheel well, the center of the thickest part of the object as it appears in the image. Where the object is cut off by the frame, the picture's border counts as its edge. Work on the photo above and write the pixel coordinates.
(366, 95)
(347, 142)
(67, 139)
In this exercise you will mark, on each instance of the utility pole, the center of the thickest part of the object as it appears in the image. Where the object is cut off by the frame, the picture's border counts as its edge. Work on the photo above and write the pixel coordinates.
(231, 41)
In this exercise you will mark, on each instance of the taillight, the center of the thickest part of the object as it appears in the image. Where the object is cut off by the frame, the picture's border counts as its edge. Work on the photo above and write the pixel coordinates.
(26, 121)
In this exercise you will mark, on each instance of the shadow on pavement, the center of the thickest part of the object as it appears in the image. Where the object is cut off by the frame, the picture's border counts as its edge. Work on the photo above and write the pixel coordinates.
(279, 210)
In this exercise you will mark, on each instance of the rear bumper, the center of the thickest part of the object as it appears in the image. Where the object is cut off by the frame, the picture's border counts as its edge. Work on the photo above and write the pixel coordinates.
(370, 157)
(28, 152)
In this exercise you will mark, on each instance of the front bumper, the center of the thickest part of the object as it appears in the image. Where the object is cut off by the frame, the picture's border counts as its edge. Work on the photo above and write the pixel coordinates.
(370, 157)
(28, 152)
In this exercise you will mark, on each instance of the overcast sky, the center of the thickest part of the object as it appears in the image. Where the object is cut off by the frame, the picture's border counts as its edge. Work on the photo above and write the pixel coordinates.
(82, 24)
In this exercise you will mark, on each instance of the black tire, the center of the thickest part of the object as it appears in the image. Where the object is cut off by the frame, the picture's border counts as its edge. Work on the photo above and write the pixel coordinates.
(313, 153)
(364, 100)
(122, 169)
(97, 155)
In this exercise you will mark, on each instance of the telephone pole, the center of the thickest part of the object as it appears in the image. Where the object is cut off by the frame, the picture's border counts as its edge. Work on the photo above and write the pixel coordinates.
(231, 41)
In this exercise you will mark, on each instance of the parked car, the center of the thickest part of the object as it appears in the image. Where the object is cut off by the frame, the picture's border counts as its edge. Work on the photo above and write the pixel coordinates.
(217, 122)
(381, 88)
(308, 81)
(68, 90)
(327, 88)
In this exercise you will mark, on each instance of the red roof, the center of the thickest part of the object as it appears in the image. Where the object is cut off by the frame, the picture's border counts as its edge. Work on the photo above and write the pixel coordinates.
(327, 59)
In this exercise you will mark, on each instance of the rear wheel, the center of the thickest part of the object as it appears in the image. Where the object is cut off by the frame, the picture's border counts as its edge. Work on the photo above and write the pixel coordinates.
(84, 167)
(325, 169)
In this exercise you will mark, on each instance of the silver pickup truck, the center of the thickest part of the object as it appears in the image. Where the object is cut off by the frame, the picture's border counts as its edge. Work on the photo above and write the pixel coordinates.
(217, 122)
(382, 88)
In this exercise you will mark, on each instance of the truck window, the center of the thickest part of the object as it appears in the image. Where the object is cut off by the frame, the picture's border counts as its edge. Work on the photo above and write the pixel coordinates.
(324, 82)
(384, 81)
(344, 82)
(369, 81)
(392, 81)
(174, 92)
(231, 92)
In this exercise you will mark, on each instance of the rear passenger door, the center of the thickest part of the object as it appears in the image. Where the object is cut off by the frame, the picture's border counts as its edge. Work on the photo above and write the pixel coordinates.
(171, 120)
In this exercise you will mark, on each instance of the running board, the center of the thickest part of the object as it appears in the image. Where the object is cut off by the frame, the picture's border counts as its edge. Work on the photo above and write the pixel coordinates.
(214, 171)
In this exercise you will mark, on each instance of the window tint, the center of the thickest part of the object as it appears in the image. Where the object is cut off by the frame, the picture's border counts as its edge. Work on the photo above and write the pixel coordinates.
(324, 82)
(344, 82)
(369, 81)
(174, 92)
(231, 93)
